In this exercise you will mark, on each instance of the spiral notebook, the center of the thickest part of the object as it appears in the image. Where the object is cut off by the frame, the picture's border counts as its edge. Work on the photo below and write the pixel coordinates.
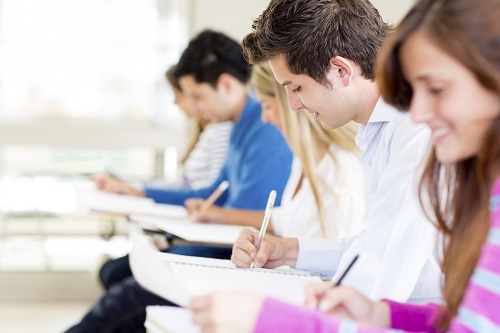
(178, 278)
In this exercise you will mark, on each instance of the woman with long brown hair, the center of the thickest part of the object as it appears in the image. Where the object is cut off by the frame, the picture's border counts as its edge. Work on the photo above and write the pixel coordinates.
(443, 65)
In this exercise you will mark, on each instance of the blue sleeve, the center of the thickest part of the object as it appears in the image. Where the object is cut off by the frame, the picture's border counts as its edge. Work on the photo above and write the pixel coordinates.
(264, 167)
(177, 197)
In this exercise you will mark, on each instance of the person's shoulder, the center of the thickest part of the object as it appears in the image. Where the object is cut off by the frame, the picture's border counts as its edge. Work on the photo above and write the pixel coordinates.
(217, 126)
(402, 131)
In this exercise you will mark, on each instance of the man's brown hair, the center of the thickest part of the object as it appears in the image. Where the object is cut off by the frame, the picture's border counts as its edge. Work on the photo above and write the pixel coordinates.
(308, 33)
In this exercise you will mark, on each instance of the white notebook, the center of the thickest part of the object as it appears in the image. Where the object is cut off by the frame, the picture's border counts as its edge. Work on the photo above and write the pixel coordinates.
(127, 204)
(177, 279)
(193, 231)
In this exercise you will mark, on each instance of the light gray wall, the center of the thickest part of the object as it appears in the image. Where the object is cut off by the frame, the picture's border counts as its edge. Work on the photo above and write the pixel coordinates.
(393, 10)
(235, 17)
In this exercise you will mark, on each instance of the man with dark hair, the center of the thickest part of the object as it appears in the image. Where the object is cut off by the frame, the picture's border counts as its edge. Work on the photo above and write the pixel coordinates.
(324, 53)
(213, 72)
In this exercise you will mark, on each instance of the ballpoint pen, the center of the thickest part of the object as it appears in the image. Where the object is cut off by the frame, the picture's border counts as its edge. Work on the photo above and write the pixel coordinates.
(265, 222)
(339, 281)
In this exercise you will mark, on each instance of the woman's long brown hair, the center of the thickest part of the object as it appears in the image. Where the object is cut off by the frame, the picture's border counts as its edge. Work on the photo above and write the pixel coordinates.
(455, 196)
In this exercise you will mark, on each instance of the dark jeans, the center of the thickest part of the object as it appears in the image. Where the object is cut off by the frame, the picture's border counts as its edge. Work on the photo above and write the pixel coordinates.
(114, 271)
(123, 307)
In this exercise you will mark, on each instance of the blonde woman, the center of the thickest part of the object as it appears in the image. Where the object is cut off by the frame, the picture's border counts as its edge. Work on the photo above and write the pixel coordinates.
(323, 197)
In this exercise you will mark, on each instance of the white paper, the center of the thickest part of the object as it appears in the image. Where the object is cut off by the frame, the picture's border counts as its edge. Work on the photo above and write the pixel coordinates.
(169, 319)
(127, 204)
(152, 273)
(193, 231)
(177, 279)
(169, 257)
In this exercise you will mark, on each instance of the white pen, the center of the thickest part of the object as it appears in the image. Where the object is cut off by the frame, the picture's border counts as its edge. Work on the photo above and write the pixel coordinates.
(214, 196)
(265, 222)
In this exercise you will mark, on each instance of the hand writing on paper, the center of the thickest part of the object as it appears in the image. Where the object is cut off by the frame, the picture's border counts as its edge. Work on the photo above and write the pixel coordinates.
(226, 311)
(108, 183)
(274, 251)
(347, 303)
(196, 214)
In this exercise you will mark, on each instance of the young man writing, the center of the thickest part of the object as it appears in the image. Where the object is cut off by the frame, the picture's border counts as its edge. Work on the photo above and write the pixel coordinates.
(324, 53)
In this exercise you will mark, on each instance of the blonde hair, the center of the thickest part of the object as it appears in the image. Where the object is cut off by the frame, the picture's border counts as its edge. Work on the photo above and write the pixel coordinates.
(304, 135)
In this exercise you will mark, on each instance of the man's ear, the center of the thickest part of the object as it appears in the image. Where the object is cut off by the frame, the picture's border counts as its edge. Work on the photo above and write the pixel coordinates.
(343, 69)
(225, 82)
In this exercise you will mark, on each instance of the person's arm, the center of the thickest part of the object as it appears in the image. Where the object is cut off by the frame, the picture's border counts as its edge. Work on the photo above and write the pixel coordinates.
(177, 197)
(399, 241)
(321, 255)
(219, 215)
(277, 316)
(111, 184)
(414, 318)
(335, 308)
(339, 309)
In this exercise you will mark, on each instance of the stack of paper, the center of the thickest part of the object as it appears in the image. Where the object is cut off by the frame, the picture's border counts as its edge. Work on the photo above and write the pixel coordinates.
(178, 278)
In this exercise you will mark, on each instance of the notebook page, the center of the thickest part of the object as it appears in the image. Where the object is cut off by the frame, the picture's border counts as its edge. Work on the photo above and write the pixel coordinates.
(179, 281)
(195, 260)
(201, 279)
(171, 257)
(128, 204)
(114, 203)
(152, 273)
(193, 231)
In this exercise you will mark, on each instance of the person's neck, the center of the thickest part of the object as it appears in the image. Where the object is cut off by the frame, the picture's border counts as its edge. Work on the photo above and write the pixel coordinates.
(367, 103)
(320, 152)
(239, 106)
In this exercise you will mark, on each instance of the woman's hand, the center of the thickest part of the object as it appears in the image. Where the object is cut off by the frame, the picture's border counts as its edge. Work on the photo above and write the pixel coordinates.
(212, 214)
(347, 303)
(226, 312)
(111, 184)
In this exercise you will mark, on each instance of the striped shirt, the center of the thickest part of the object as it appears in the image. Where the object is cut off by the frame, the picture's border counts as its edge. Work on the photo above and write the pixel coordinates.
(478, 311)
(204, 162)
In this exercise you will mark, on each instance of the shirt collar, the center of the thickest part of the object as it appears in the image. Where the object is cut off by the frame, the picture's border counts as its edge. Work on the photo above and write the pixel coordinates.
(382, 113)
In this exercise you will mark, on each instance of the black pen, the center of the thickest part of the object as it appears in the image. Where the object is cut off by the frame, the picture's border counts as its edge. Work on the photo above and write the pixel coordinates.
(339, 281)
